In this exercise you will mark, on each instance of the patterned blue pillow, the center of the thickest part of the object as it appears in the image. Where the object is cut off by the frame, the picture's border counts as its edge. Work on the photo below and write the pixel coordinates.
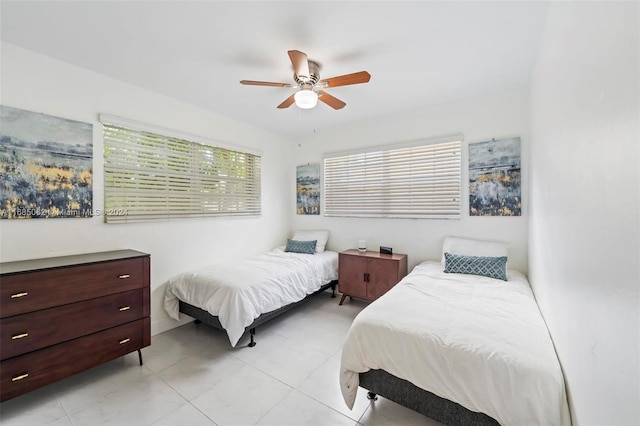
(492, 267)
(307, 247)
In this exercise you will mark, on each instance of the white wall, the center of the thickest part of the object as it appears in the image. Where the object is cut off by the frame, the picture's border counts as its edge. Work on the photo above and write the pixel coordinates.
(584, 225)
(37, 83)
(480, 119)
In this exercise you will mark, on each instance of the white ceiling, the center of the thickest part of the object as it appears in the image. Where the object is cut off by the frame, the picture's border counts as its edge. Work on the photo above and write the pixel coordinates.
(418, 53)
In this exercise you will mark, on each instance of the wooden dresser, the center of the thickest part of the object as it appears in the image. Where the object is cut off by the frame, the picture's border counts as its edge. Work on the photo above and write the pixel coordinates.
(368, 275)
(63, 315)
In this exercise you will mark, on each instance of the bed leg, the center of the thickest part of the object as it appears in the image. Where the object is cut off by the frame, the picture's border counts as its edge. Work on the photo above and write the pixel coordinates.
(252, 332)
(196, 322)
(372, 396)
(333, 291)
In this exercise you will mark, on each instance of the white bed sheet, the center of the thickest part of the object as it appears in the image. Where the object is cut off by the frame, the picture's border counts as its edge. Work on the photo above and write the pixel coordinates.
(239, 291)
(473, 340)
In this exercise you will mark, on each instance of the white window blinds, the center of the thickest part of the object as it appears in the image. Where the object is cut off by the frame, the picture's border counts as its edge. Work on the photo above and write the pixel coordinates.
(149, 176)
(417, 181)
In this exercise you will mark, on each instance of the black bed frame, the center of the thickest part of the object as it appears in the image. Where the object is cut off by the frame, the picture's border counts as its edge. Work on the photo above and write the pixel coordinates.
(379, 382)
(203, 316)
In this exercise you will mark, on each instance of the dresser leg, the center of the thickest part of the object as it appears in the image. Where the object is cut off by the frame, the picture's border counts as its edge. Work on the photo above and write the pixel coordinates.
(344, 296)
(140, 356)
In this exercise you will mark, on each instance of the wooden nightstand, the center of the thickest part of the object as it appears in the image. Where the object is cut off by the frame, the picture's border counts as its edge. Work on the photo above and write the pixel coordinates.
(368, 275)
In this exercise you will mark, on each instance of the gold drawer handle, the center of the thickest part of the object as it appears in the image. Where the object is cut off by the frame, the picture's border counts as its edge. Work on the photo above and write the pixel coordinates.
(19, 336)
(124, 341)
(20, 377)
(17, 295)
(124, 276)
(124, 308)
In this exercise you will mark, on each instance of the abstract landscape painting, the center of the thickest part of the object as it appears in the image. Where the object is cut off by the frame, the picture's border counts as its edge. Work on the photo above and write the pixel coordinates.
(46, 166)
(494, 178)
(308, 189)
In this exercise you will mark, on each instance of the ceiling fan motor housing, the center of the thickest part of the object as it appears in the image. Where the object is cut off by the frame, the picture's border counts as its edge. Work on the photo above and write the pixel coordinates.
(314, 70)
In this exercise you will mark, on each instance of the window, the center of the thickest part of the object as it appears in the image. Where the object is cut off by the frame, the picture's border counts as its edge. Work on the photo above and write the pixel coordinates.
(151, 176)
(421, 180)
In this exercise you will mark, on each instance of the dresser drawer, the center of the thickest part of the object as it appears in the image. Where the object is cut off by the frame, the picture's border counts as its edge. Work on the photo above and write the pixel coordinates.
(27, 332)
(33, 370)
(21, 293)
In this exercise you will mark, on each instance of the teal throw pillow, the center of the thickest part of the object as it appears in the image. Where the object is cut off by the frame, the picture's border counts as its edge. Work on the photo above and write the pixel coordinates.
(492, 267)
(307, 247)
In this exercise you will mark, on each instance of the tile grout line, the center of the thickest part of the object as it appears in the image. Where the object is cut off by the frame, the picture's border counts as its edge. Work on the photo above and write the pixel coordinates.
(276, 404)
(291, 388)
(239, 359)
(188, 401)
(66, 413)
(321, 402)
(363, 413)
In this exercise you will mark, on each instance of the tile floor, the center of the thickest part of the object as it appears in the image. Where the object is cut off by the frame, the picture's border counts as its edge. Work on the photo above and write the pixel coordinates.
(192, 376)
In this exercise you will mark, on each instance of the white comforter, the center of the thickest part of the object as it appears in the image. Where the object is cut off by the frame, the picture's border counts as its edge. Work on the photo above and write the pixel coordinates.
(477, 341)
(241, 290)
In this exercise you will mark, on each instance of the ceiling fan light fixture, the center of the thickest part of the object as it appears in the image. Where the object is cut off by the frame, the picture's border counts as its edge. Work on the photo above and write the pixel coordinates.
(306, 75)
(306, 98)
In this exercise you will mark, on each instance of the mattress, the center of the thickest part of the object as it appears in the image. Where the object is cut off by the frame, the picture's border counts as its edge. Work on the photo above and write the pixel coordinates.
(239, 291)
(476, 341)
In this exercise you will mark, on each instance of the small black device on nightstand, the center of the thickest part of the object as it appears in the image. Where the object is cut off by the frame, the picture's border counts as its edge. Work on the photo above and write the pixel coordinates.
(386, 250)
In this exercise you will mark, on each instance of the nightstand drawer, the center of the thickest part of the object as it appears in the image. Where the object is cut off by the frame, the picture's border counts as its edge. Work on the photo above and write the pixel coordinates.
(28, 332)
(21, 293)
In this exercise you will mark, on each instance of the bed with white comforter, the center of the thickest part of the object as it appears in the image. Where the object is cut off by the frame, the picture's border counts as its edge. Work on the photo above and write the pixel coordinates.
(239, 291)
(477, 341)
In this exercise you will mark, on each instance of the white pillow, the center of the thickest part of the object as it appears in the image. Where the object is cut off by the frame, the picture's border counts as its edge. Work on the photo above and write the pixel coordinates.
(468, 247)
(321, 236)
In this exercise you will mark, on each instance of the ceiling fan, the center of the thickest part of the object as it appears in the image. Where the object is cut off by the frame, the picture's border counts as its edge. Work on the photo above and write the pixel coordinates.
(306, 74)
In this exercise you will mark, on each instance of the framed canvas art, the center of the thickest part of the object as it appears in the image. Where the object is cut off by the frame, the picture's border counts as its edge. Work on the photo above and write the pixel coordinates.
(47, 166)
(494, 178)
(308, 189)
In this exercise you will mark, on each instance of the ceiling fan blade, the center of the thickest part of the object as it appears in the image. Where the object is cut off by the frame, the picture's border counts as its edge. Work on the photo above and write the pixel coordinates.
(287, 102)
(332, 101)
(345, 80)
(300, 63)
(263, 83)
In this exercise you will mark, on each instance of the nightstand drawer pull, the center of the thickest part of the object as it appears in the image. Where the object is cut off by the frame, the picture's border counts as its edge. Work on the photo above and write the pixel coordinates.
(124, 308)
(17, 295)
(124, 276)
(123, 341)
(20, 377)
(19, 336)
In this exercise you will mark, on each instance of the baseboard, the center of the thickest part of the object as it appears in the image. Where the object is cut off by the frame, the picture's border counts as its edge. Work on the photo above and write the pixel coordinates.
(167, 324)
